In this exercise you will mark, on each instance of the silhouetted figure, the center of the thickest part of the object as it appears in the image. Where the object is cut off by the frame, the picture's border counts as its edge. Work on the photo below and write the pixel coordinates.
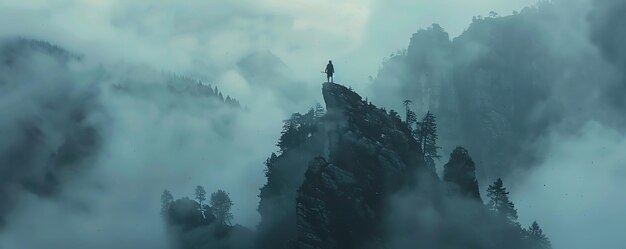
(330, 70)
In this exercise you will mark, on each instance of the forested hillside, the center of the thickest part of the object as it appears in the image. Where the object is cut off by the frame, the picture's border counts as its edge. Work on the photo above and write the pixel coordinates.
(508, 81)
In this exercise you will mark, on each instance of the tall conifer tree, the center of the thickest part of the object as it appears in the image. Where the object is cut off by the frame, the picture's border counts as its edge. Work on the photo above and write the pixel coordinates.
(499, 201)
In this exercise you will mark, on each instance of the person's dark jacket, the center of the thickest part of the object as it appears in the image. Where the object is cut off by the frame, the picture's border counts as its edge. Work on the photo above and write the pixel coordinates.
(330, 70)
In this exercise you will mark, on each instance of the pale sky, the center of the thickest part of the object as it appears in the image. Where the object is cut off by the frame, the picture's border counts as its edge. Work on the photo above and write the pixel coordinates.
(194, 35)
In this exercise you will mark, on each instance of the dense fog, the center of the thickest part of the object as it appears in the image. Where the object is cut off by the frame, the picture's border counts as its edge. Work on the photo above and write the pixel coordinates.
(107, 103)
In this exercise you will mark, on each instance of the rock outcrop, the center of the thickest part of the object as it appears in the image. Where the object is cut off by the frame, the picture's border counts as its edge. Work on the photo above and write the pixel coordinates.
(355, 177)
(363, 154)
(460, 173)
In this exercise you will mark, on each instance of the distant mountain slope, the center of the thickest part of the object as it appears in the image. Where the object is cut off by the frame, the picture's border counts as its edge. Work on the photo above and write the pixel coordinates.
(49, 123)
(168, 83)
(505, 83)
(54, 116)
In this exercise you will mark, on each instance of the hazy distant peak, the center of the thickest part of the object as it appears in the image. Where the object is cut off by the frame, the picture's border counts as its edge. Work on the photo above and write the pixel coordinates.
(18, 47)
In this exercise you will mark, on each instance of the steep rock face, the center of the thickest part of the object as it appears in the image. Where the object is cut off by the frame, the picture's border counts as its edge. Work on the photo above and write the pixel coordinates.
(355, 126)
(301, 141)
(492, 88)
(460, 173)
(358, 155)
(355, 177)
(313, 218)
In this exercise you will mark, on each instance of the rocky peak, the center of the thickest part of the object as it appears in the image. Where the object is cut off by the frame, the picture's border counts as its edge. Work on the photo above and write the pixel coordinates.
(338, 97)
(337, 182)
(460, 173)
(329, 190)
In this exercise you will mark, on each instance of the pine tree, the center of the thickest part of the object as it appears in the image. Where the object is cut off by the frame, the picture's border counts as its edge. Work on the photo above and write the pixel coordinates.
(289, 135)
(536, 238)
(307, 121)
(426, 134)
(166, 201)
(319, 110)
(200, 195)
(269, 163)
(297, 129)
(221, 204)
(499, 201)
(410, 116)
(394, 115)
(273, 183)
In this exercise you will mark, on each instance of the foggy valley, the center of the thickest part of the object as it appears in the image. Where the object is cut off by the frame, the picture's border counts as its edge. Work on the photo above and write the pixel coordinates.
(215, 124)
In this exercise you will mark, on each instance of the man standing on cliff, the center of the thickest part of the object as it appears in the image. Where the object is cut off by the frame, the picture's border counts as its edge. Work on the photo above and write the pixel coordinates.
(330, 70)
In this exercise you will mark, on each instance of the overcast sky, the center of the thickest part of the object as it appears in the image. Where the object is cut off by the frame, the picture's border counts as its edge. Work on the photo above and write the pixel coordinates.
(206, 39)
(195, 35)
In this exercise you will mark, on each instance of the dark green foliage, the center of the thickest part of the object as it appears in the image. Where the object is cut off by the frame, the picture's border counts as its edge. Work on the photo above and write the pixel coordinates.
(273, 181)
(297, 129)
(200, 194)
(289, 135)
(300, 139)
(192, 225)
(319, 110)
(186, 213)
(189, 86)
(45, 47)
(499, 201)
(232, 102)
(410, 117)
(220, 205)
(426, 134)
(269, 165)
(536, 238)
(394, 115)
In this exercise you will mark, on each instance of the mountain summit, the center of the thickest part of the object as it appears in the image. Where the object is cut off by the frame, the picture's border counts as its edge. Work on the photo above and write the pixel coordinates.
(355, 176)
